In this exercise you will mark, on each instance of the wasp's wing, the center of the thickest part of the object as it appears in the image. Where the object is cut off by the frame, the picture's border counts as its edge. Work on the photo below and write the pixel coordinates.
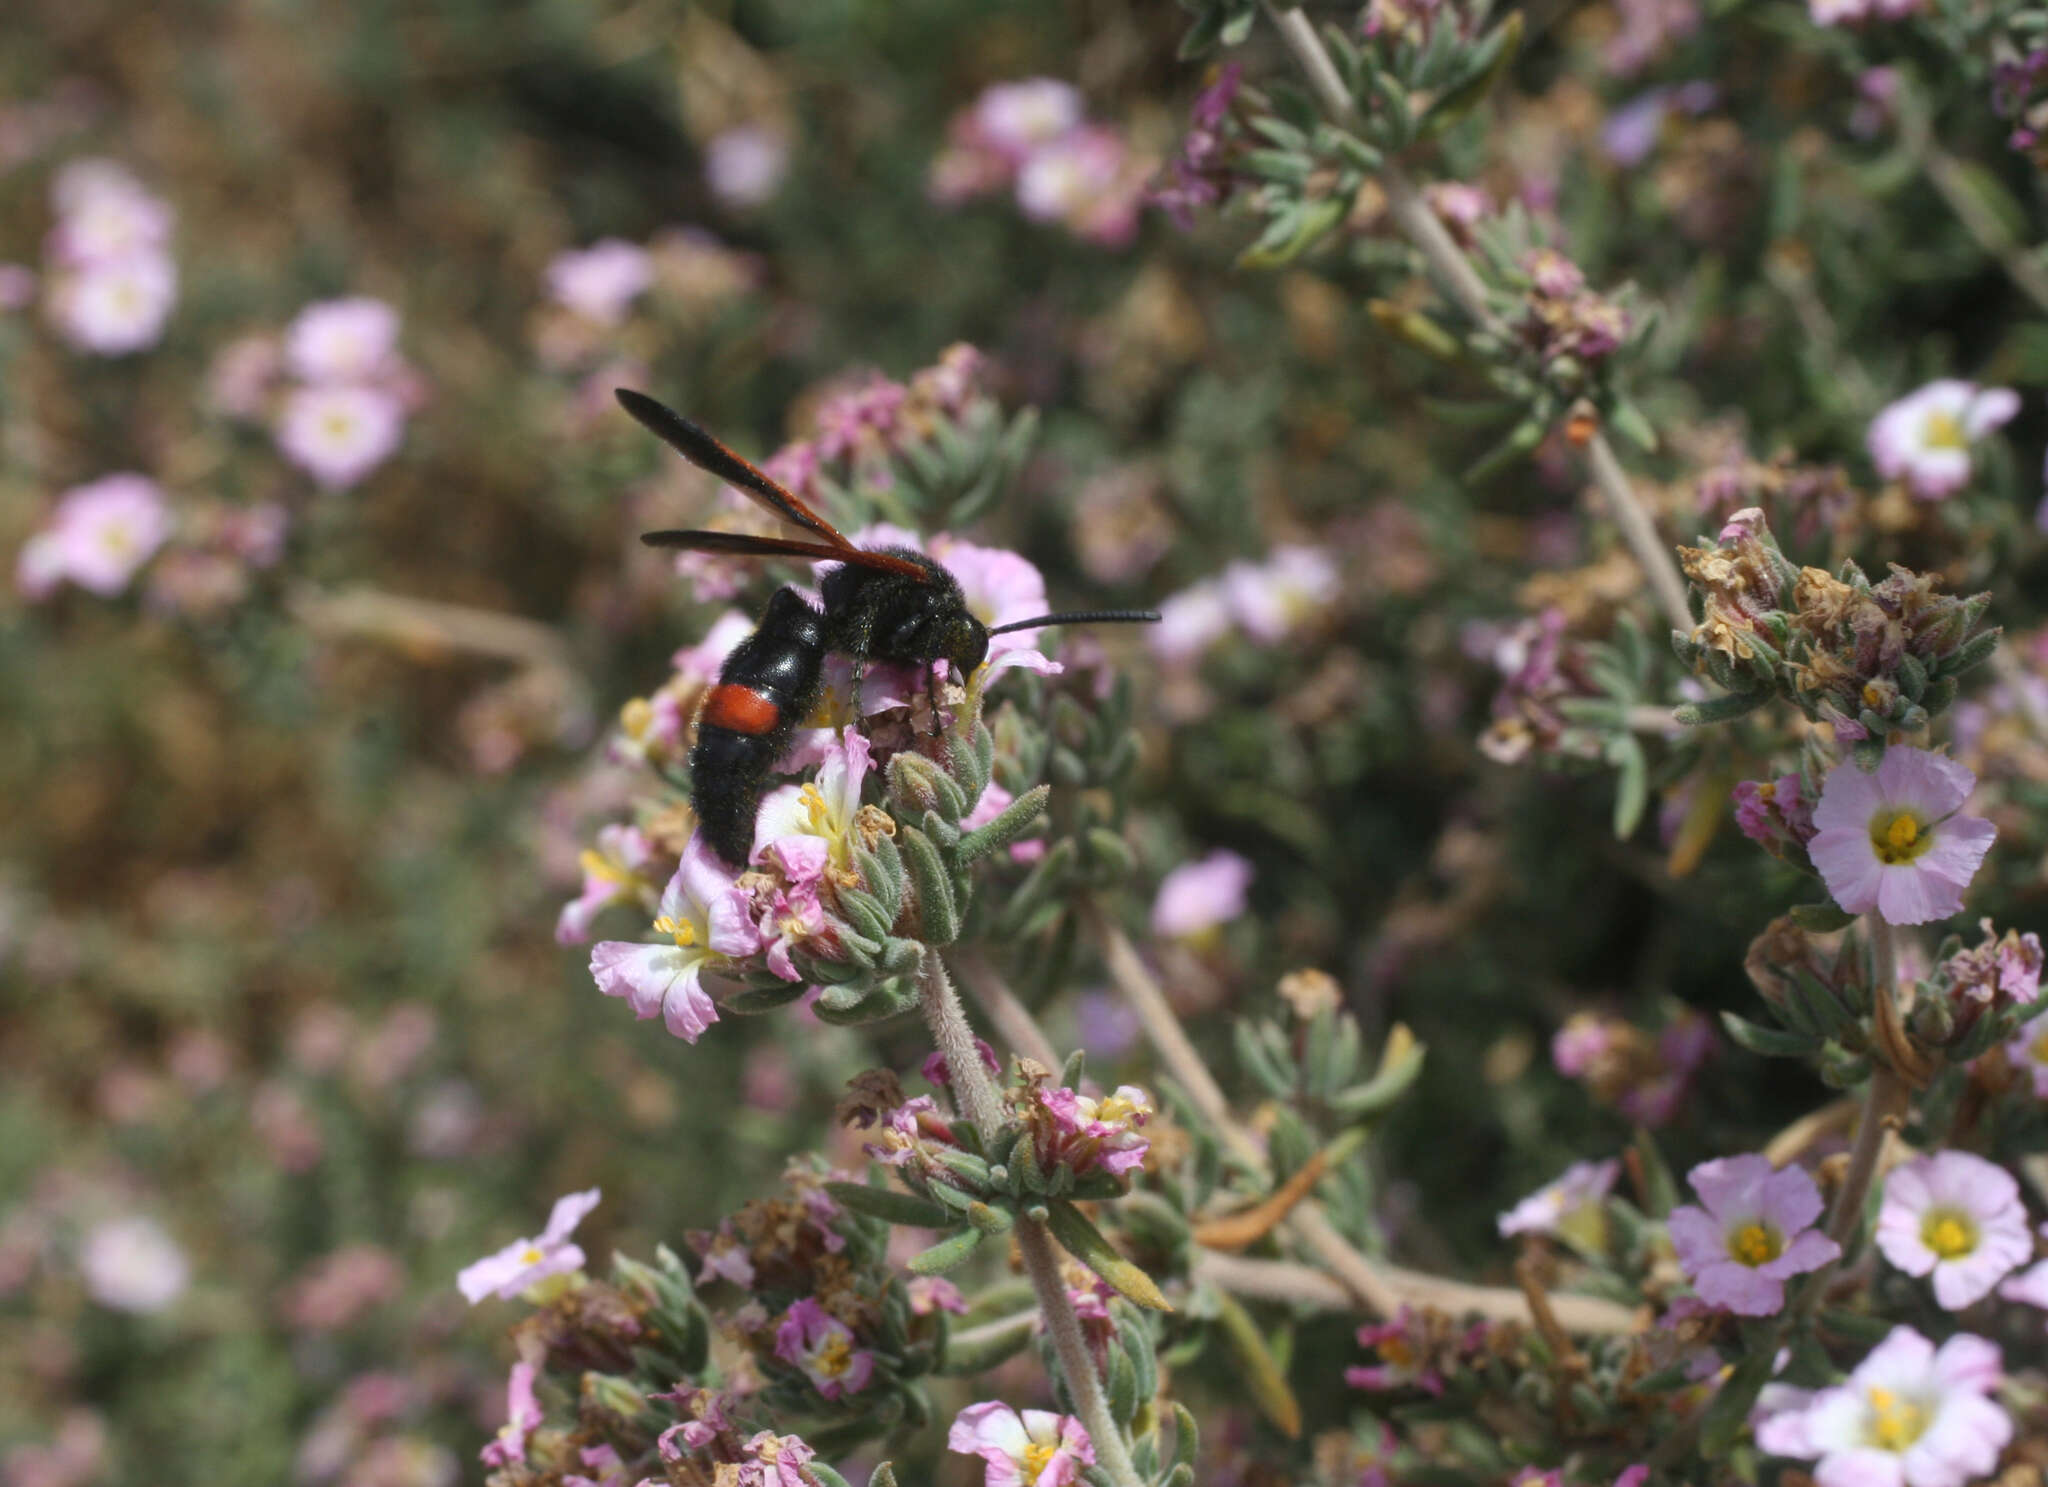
(706, 453)
(744, 545)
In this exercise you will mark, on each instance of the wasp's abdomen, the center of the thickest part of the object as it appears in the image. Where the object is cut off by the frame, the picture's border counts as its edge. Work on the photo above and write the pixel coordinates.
(767, 686)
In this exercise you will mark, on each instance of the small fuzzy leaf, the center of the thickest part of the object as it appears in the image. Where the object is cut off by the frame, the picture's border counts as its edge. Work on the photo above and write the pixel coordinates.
(1086, 1243)
(975, 1350)
(1768, 1041)
(938, 915)
(953, 1250)
(1016, 818)
(1719, 709)
(889, 1205)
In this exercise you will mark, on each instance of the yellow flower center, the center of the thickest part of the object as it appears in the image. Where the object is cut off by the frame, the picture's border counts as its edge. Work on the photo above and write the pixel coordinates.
(1115, 1108)
(816, 811)
(683, 932)
(596, 865)
(531, 1255)
(835, 1357)
(636, 717)
(1948, 1233)
(337, 425)
(1395, 1350)
(1944, 431)
(2039, 1048)
(1036, 1459)
(1898, 836)
(1756, 1244)
(1895, 1423)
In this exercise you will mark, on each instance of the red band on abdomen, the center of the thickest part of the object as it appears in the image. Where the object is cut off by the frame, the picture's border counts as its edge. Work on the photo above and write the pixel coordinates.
(740, 709)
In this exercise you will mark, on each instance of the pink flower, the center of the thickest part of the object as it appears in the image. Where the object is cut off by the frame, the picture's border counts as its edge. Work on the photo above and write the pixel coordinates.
(1086, 1135)
(1571, 1205)
(2028, 1052)
(1754, 1233)
(1197, 898)
(1189, 623)
(813, 1340)
(1015, 120)
(527, 1262)
(17, 286)
(826, 810)
(1957, 1217)
(611, 875)
(1001, 587)
(116, 307)
(523, 1416)
(1035, 1449)
(241, 376)
(601, 282)
(343, 341)
(1400, 1364)
(744, 165)
(930, 1294)
(1925, 437)
(1773, 814)
(790, 911)
(340, 433)
(707, 916)
(1272, 599)
(1086, 180)
(1891, 841)
(105, 216)
(133, 1264)
(1909, 1416)
(97, 538)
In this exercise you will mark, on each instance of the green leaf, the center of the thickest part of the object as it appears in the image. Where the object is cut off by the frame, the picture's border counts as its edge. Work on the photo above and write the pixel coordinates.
(1627, 420)
(1821, 919)
(1306, 227)
(1727, 1416)
(977, 1349)
(889, 1205)
(1490, 59)
(1720, 709)
(953, 1250)
(938, 915)
(1769, 1041)
(1262, 1373)
(1399, 1068)
(1081, 1239)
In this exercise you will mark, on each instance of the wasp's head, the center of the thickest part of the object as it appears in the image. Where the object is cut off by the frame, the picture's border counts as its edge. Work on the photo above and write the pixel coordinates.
(963, 640)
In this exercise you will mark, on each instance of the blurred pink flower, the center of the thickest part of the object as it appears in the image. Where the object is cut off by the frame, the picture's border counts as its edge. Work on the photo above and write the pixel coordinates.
(744, 165)
(1015, 120)
(338, 434)
(1189, 623)
(1908, 1416)
(611, 875)
(1563, 1205)
(1924, 438)
(523, 1417)
(707, 916)
(1755, 1232)
(343, 341)
(1273, 598)
(601, 282)
(1892, 841)
(1958, 1218)
(133, 1264)
(810, 1338)
(242, 375)
(105, 216)
(1087, 1134)
(17, 286)
(98, 536)
(1197, 897)
(1085, 179)
(1034, 1449)
(115, 307)
(526, 1262)
(337, 1289)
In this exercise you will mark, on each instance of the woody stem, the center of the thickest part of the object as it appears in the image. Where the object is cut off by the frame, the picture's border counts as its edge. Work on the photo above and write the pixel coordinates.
(981, 1102)
(1882, 1101)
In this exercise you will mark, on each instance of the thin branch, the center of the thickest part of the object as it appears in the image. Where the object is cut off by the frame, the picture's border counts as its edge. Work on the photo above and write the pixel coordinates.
(1290, 1281)
(1461, 282)
(1883, 1101)
(978, 1097)
(428, 625)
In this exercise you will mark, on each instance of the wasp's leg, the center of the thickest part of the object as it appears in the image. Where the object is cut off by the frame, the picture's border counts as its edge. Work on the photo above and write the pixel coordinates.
(931, 695)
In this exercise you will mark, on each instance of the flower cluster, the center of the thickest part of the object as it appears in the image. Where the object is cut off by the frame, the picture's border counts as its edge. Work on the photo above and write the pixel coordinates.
(1200, 174)
(1541, 667)
(111, 279)
(343, 413)
(2019, 92)
(1563, 317)
(1646, 1078)
(593, 292)
(1284, 594)
(1032, 137)
(1809, 501)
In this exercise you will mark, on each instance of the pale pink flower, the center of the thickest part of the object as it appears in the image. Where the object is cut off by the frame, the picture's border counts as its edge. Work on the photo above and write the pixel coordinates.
(1925, 437)
(2027, 1051)
(116, 307)
(527, 1262)
(1018, 119)
(1085, 180)
(2029, 1287)
(1909, 1416)
(1571, 1205)
(701, 663)
(343, 340)
(133, 1264)
(1087, 1134)
(810, 1338)
(1034, 1449)
(745, 165)
(601, 282)
(1272, 599)
(611, 875)
(707, 916)
(826, 809)
(98, 537)
(17, 286)
(931, 1294)
(1198, 897)
(1400, 1365)
(1892, 840)
(1838, 12)
(790, 912)
(1190, 622)
(242, 375)
(105, 216)
(1754, 1233)
(1957, 1217)
(338, 434)
(523, 1417)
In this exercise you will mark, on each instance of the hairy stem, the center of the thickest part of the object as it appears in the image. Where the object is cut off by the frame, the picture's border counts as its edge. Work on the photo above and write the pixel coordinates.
(981, 1102)
(1883, 1101)
(1461, 282)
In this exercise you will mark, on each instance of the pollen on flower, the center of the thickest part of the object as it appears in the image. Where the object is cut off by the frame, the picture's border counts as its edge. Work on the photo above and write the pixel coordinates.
(1948, 1233)
(636, 717)
(1756, 1244)
(1944, 430)
(1899, 839)
(1037, 1458)
(835, 1357)
(683, 932)
(1895, 1423)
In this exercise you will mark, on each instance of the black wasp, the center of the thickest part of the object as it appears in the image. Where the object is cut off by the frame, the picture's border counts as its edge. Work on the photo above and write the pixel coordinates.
(889, 604)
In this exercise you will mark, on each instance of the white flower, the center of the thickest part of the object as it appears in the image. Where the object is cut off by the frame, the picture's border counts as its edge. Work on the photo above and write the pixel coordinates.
(706, 916)
(1925, 437)
(338, 434)
(343, 340)
(113, 308)
(1957, 1217)
(131, 1264)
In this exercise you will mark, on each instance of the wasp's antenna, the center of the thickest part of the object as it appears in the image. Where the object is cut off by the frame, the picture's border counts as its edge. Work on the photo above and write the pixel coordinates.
(1084, 617)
